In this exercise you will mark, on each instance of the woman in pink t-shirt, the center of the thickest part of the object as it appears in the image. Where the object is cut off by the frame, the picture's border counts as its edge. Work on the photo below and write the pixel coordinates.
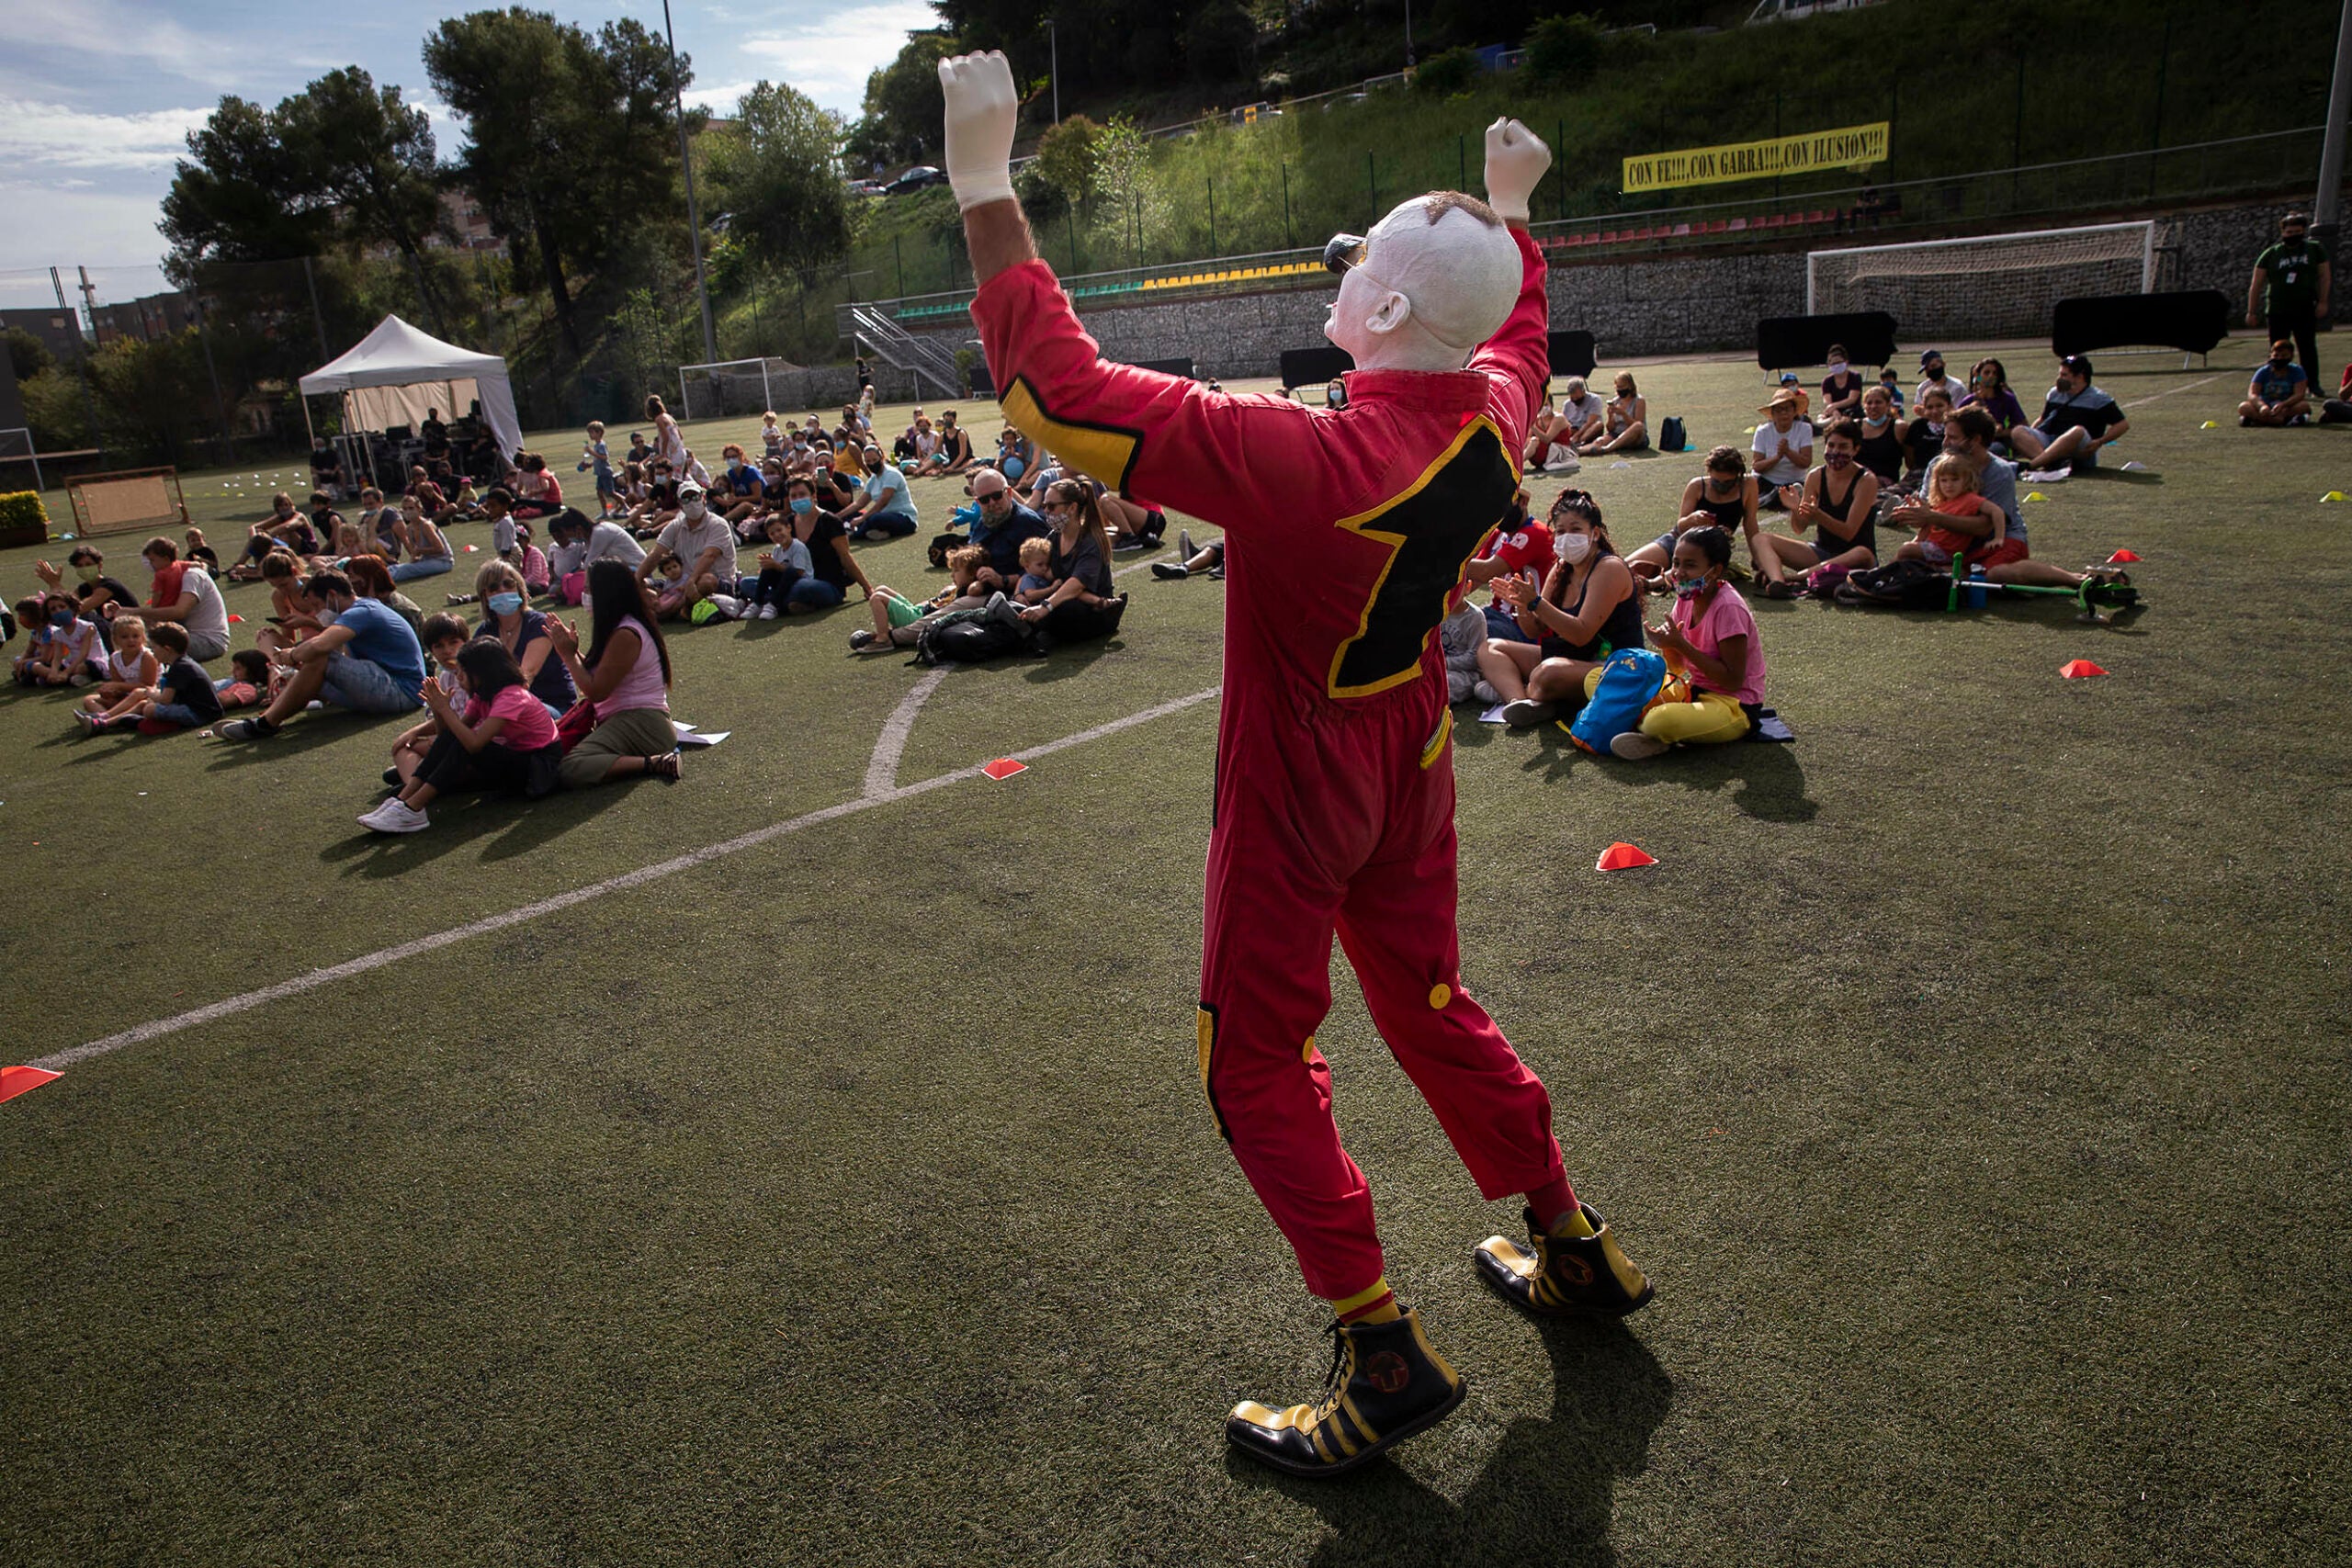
(505, 740)
(1711, 638)
(625, 676)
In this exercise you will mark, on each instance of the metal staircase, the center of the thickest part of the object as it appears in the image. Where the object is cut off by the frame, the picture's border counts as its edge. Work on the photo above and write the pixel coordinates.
(922, 357)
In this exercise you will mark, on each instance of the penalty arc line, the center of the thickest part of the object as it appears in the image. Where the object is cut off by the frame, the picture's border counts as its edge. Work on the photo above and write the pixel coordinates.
(228, 1007)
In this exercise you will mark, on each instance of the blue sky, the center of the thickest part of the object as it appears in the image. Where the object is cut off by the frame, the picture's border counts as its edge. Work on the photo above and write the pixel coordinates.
(96, 96)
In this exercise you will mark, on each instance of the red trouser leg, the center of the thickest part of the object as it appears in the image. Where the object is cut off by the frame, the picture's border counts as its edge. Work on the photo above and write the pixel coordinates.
(1397, 925)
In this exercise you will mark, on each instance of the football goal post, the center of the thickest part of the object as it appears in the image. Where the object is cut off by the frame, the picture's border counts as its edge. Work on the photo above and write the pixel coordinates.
(16, 446)
(728, 389)
(1992, 285)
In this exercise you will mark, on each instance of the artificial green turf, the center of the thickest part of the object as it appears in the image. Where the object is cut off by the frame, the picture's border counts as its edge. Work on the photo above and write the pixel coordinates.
(1970, 1076)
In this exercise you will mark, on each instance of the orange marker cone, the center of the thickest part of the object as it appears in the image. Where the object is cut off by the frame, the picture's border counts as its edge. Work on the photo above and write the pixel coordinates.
(2120, 556)
(2079, 670)
(1004, 768)
(14, 1081)
(1624, 857)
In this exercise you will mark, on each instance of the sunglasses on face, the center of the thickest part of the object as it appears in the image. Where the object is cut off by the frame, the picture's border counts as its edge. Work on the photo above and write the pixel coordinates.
(1342, 252)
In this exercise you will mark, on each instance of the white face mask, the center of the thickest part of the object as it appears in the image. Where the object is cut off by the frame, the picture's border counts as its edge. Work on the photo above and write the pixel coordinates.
(1574, 547)
(1837, 367)
(694, 509)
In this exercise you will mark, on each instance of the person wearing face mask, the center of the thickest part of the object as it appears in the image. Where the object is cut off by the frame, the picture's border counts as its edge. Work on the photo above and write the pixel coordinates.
(2280, 392)
(832, 566)
(509, 617)
(1841, 389)
(887, 508)
(1837, 499)
(1882, 451)
(1724, 494)
(1989, 390)
(1589, 607)
(364, 659)
(92, 590)
(1334, 786)
(71, 652)
(703, 544)
(1782, 445)
(285, 528)
(1933, 379)
(1923, 439)
(2078, 419)
(1710, 639)
(1626, 419)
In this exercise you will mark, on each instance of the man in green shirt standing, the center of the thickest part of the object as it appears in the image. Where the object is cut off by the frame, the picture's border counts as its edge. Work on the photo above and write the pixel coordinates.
(2295, 271)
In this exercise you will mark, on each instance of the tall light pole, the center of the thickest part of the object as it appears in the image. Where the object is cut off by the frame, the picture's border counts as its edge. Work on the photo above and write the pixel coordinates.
(685, 160)
(2330, 153)
(1409, 34)
(1054, 43)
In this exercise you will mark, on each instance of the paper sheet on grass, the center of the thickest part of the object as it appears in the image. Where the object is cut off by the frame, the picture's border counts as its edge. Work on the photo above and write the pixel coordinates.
(702, 738)
(1493, 714)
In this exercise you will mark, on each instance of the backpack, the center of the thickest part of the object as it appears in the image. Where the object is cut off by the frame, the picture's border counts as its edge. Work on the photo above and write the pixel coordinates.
(1630, 680)
(1899, 585)
(1670, 436)
(965, 636)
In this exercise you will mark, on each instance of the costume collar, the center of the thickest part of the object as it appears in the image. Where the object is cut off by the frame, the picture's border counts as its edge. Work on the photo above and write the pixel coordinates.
(1442, 391)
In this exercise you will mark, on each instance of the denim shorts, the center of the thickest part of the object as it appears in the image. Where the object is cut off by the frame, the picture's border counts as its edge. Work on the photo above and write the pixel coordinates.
(180, 714)
(364, 686)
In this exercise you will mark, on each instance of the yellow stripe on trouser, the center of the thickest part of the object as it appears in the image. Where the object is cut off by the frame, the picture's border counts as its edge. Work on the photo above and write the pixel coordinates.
(1363, 1298)
(1708, 718)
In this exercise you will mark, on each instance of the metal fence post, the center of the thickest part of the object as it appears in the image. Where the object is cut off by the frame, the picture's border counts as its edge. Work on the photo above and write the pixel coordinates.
(1371, 182)
(1210, 181)
(1290, 240)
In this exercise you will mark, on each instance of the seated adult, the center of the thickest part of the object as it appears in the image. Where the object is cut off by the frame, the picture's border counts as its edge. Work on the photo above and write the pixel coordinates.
(2280, 392)
(886, 507)
(1923, 438)
(1933, 379)
(1988, 388)
(1589, 606)
(1783, 444)
(1725, 495)
(737, 489)
(1841, 389)
(538, 492)
(93, 590)
(429, 551)
(1624, 420)
(1001, 526)
(835, 489)
(1711, 638)
(954, 454)
(1583, 416)
(372, 579)
(427, 491)
(2078, 419)
(1881, 435)
(1081, 605)
(508, 616)
(832, 566)
(580, 542)
(435, 434)
(625, 674)
(702, 544)
(366, 660)
(184, 593)
(1837, 499)
(284, 527)
(1968, 436)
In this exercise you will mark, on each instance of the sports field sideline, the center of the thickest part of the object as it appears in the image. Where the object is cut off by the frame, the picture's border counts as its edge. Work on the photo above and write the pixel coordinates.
(1969, 1076)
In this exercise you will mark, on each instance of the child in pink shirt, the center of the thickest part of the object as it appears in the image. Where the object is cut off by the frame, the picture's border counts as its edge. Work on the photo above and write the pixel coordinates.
(1711, 640)
(505, 740)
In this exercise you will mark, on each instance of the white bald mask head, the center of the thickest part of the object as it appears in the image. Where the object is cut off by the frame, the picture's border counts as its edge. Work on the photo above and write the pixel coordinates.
(1439, 275)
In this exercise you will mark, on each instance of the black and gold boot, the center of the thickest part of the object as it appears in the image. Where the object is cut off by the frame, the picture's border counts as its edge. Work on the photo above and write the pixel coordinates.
(1564, 1276)
(1386, 1382)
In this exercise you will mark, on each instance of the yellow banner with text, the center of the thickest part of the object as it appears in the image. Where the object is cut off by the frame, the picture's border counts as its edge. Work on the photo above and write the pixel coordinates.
(1853, 147)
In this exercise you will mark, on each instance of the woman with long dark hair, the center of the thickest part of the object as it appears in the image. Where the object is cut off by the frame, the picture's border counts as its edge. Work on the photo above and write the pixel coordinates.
(1589, 607)
(626, 674)
(1988, 388)
(1081, 605)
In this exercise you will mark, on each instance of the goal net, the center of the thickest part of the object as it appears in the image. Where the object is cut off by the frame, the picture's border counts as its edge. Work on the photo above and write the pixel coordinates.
(730, 389)
(130, 501)
(1993, 286)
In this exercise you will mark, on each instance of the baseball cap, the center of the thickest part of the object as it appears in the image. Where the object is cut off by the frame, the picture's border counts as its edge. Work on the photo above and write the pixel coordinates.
(692, 487)
(1927, 353)
(1788, 378)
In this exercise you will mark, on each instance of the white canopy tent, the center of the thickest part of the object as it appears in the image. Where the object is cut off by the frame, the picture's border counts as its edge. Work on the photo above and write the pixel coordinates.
(395, 373)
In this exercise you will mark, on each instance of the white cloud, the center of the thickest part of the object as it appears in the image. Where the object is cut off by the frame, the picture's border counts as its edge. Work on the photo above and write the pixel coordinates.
(113, 235)
(52, 134)
(119, 33)
(830, 56)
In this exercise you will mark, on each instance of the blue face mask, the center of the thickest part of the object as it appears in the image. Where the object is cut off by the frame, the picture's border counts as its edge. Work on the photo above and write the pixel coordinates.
(62, 619)
(802, 503)
(505, 604)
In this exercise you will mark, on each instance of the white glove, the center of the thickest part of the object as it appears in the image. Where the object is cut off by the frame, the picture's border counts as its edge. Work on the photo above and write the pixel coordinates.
(1515, 161)
(981, 108)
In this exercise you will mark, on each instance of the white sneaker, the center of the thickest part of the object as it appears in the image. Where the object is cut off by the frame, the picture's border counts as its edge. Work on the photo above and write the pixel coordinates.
(767, 612)
(1634, 747)
(395, 815)
(1485, 691)
(2047, 476)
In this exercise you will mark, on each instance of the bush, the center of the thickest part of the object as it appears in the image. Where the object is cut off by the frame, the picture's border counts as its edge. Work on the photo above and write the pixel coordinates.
(1456, 70)
(1562, 52)
(22, 509)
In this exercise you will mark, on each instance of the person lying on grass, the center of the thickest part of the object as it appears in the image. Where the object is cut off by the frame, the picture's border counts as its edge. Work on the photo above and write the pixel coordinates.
(503, 741)
(444, 635)
(898, 619)
(1836, 501)
(1711, 640)
(1589, 607)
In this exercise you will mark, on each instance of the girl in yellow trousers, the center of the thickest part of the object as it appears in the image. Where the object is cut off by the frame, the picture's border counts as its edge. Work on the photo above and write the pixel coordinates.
(1711, 641)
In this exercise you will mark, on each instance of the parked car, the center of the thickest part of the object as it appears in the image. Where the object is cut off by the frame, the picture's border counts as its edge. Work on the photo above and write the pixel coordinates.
(916, 178)
(864, 187)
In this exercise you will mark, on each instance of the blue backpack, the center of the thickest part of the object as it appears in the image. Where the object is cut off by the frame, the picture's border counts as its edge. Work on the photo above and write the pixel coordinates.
(1630, 681)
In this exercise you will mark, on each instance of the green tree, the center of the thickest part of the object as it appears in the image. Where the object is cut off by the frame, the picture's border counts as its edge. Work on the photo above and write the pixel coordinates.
(774, 172)
(369, 157)
(905, 115)
(1454, 71)
(1563, 52)
(1066, 157)
(27, 356)
(1221, 43)
(570, 139)
(240, 195)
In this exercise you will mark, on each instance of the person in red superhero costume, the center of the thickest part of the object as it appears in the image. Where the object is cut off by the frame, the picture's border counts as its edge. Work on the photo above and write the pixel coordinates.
(1334, 808)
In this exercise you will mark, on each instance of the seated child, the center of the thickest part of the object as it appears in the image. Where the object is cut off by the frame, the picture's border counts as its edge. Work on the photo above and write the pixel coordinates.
(505, 740)
(73, 654)
(131, 673)
(673, 598)
(533, 561)
(198, 550)
(444, 636)
(182, 697)
(1711, 642)
(1036, 572)
(252, 681)
(1951, 491)
(33, 615)
(782, 564)
(896, 615)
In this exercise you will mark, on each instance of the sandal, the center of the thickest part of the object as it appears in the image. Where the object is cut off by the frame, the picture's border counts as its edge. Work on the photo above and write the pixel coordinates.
(664, 767)
(1779, 588)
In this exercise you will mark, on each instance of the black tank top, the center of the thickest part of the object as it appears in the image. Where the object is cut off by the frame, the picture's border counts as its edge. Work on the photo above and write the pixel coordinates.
(1731, 513)
(1621, 630)
(1883, 454)
(1847, 535)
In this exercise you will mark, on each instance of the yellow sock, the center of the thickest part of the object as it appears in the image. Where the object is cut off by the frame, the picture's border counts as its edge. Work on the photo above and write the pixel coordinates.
(1573, 1225)
(1376, 1303)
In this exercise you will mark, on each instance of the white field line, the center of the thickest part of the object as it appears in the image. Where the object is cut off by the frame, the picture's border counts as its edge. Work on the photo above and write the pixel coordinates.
(228, 1006)
(2184, 387)
(882, 771)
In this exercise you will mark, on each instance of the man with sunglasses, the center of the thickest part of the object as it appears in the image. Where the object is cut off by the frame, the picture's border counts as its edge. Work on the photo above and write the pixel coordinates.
(1348, 536)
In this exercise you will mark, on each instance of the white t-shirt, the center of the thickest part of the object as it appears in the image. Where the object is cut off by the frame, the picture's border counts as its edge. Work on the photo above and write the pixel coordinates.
(1581, 412)
(886, 493)
(687, 541)
(1951, 389)
(210, 616)
(1785, 470)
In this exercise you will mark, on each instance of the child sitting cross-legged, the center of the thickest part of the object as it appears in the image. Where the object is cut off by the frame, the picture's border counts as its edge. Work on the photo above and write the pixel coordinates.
(503, 740)
(73, 654)
(131, 673)
(182, 696)
(785, 562)
(444, 636)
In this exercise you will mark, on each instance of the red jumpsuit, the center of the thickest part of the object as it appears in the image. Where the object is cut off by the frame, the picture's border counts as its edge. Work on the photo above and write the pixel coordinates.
(1347, 536)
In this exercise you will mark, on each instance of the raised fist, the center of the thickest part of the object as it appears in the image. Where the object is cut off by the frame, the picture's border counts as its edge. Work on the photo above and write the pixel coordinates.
(981, 108)
(1516, 159)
